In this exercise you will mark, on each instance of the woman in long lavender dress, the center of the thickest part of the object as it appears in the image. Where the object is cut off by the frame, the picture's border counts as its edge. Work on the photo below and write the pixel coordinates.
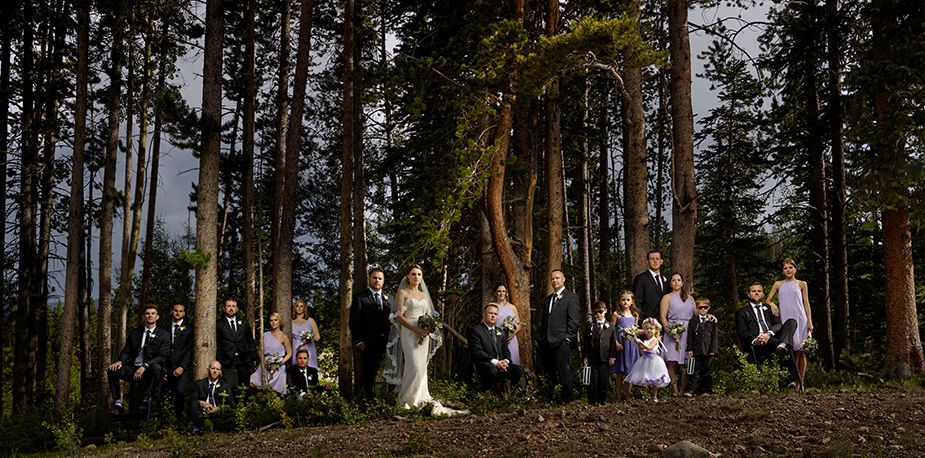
(275, 342)
(793, 296)
(676, 306)
(507, 309)
(301, 322)
(625, 316)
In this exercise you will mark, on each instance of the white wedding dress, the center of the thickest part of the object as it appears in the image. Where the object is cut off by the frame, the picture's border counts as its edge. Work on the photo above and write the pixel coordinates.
(413, 391)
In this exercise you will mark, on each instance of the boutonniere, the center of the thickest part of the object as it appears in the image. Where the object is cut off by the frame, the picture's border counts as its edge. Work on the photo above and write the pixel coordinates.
(606, 325)
(497, 332)
(559, 296)
(183, 328)
(218, 385)
(764, 307)
(239, 321)
(385, 297)
(153, 335)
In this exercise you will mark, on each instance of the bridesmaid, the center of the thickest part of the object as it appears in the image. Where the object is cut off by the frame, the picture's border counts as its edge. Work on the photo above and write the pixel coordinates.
(626, 315)
(506, 309)
(275, 342)
(302, 322)
(794, 304)
(676, 306)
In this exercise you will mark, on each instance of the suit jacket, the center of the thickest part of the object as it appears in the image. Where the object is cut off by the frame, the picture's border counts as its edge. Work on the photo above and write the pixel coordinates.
(647, 295)
(201, 393)
(229, 342)
(702, 338)
(480, 344)
(599, 346)
(156, 351)
(295, 382)
(369, 323)
(181, 350)
(747, 324)
(562, 322)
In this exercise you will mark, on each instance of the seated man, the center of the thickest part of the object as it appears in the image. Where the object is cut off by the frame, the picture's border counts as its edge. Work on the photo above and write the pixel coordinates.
(762, 334)
(490, 354)
(142, 359)
(300, 378)
(209, 394)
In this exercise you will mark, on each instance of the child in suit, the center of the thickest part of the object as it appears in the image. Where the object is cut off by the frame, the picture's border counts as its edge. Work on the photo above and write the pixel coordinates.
(600, 352)
(702, 345)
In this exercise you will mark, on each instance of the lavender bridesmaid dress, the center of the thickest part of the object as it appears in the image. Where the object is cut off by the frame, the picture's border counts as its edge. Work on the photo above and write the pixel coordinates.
(791, 307)
(298, 345)
(512, 345)
(681, 311)
(277, 379)
(626, 358)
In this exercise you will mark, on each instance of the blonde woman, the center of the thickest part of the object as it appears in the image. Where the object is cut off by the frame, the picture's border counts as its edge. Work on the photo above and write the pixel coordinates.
(302, 322)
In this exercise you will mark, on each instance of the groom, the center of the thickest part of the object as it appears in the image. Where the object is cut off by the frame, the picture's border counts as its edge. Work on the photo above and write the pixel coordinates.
(369, 325)
(558, 334)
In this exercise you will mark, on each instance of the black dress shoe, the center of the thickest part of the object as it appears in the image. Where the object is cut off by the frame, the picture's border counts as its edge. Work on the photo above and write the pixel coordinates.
(117, 410)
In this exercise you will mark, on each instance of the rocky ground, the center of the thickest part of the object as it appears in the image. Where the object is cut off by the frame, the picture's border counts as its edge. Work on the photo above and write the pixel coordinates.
(882, 423)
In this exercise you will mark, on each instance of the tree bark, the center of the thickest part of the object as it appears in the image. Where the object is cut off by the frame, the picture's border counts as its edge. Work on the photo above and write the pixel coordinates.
(75, 224)
(345, 365)
(555, 200)
(360, 259)
(124, 293)
(282, 127)
(635, 190)
(606, 237)
(6, 49)
(585, 292)
(207, 202)
(250, 103)
(684, 197)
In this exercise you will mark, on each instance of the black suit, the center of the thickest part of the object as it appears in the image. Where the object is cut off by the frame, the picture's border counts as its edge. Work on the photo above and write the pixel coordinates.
(558, 334)
(600, 345)
(369, 323)
(484, 346)
(296, 383)
(181, 355)
(747, 327)
(647, 294)
(703, 341)
(223, 398)
(155, 356)
(236, 351)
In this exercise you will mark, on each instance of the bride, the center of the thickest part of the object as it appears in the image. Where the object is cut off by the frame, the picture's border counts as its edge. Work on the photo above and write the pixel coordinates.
(408, 359)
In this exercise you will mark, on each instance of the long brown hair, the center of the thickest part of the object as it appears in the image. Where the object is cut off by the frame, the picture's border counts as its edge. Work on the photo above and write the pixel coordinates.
(683, 292)
(633, 309)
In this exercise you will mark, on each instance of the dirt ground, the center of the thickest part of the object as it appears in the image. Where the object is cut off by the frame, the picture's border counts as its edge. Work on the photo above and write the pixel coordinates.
(883, 423)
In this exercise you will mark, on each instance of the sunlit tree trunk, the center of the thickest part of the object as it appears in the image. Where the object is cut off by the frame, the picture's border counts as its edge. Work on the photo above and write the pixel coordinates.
(345, 365)
(635, 190)
(555, 200)
(250, 102)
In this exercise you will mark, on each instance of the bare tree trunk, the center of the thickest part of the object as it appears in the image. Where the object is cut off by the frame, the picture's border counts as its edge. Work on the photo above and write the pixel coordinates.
(250, 102)
(75, 223)
(839, 253)
(6, 49)
(107, 204)
(660, 158)
(345, 364)
(684, 195)
(555, 200)
(635, 191)
(360, 259)
(84, 352)
(207, 203)
(585, 292)
(24, 363)
(282, 126)
(124, 293)
(603, 209)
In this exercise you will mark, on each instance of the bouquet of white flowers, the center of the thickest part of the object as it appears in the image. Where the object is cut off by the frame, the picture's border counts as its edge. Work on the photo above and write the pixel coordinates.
(676, 328)
(432, 323)
(306, 336)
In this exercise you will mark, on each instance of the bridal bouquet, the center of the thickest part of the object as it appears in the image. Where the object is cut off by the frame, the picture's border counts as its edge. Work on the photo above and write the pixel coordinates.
(810, 345)
(509, 324)
(432, 323)
(630, 333)
(676, 328)
(306, 336)
(273, 362)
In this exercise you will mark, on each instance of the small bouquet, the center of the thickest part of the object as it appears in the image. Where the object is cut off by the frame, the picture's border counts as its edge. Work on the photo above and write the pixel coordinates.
(273, 362)
(431, 322)
(810, 345)
(630, 333)
(509, 324)
(676, 328)
(306, 336)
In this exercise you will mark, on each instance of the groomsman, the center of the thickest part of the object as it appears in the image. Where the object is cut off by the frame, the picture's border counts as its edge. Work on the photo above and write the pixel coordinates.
(142, 359)
(650, 286)
(209, 394)
(490, 353)
(369, 325)
(181, 356)
(301, 378)
(558, 334)
(236, 350)
(762, 333)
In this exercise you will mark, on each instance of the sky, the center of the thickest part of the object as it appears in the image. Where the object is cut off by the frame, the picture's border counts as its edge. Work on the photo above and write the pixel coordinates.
(179, 169)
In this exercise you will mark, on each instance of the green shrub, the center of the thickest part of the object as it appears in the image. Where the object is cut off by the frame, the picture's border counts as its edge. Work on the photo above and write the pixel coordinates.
(735, 375)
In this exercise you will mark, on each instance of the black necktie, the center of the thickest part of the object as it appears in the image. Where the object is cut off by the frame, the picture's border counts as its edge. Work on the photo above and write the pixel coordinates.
(658, 281)
(763, 325)
(147, 341)
(176, 329)
(378, 300)
(494, 341)
(234, 327)
(212, 393)
(305, 374)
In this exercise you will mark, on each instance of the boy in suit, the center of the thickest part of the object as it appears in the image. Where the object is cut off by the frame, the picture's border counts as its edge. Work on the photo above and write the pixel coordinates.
(600, 352)
(702, 346)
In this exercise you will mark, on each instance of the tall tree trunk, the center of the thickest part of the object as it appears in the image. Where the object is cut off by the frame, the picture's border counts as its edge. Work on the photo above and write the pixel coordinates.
(107, 205)
(282, 264)
(250, 103)
(838, 277)
(75, 223)
(583, 234)
(124, 292)
(555, 199)
(684, 196)
(904, 355)
(6, 49)
(85, 351)
(207, 201)
(660, 157)
(24, 363)
(635, 190)
(282, 126)
(603, 209)
(345, 365)
(360, 259)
